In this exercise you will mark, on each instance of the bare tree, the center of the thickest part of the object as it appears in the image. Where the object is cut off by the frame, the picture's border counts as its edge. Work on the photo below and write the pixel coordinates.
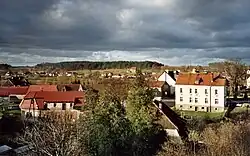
(235, 71)
(52, 137)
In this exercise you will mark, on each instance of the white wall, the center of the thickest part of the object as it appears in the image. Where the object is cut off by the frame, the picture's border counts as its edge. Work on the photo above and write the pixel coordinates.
(167, 78)
(248, 82)
(200, 95)
(59, 105)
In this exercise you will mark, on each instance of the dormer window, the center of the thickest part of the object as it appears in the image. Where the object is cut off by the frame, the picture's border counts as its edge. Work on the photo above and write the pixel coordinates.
(190, 90)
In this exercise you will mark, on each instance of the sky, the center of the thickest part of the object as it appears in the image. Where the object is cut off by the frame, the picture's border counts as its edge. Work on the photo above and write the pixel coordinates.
(173, 32)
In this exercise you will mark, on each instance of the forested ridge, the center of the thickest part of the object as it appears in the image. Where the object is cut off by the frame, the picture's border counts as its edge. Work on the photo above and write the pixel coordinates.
(79, 65)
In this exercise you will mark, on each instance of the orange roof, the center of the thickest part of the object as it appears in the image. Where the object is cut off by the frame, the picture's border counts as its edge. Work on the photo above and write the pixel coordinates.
(52, 96)
(156, 84)
(209, 79)
(36, 88)
(6, 91)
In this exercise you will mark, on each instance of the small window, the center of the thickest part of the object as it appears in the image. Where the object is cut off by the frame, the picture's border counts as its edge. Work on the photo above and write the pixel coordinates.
(196, 100)
(190, 100)
(181, 99)
(195, 91)
(216, 101)
(215, 108)
(54, 104)
(216, 92)
(190, 90)
(180, 90)
(180, 106)
(202, 107)
(206, 91)
(70, 104)
(206, 100)
(190, 106)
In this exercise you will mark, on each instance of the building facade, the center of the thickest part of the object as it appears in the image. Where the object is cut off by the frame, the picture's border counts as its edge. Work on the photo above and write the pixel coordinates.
(201, 92)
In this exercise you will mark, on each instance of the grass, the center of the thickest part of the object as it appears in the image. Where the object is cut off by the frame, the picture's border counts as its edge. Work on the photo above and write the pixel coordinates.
(210, 115)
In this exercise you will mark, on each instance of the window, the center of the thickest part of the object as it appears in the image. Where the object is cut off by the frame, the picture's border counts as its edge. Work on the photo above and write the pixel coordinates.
(70, 104)
(206, 91)
(190, 106)
(215, 108)
(54, 104)
(180, 90)
(216, 92)
(181, 99)
(190, 90)
(216, 101)
(190, 100)
(202, 107)
(196, 100)
(195, 91)
(180, 106)
(206, 100)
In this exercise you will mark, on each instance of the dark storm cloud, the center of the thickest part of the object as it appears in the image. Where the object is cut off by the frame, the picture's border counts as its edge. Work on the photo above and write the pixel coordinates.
(171, 31)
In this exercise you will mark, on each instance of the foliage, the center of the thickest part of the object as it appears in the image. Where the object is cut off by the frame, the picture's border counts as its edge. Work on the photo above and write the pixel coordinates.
(80, 65)
(236, 73)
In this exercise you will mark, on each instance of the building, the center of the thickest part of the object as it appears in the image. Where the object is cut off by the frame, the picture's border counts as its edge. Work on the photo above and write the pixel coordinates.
(70, 87)
(35, 103)
(36, 88)
(201, 92)
(161, 87)
(169, 77)
(13, 94)
(174, 125)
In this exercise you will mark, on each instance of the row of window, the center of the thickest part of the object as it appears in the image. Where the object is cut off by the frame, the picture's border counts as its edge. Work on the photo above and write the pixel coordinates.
(216, 101)
(196, 91)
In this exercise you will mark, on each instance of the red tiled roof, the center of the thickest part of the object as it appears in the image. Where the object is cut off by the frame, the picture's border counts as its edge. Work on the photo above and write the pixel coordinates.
(36, 88)
(52, 96)
(6, 91)
(156, 84)
(201, 79)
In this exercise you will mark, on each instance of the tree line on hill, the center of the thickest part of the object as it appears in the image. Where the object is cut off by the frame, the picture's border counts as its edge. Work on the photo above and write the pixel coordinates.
(80, 65)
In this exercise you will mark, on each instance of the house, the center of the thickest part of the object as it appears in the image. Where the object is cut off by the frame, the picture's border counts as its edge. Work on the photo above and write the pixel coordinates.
(13, 94)
(169, 77)
(174, 125)
(132, 70)
(36, 102)
(70, 87)
(200, 92)
(15, 81)
(36, 88)
(162, 88)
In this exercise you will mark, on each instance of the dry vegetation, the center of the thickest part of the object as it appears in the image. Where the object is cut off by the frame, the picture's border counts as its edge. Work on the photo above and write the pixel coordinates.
(217, 140)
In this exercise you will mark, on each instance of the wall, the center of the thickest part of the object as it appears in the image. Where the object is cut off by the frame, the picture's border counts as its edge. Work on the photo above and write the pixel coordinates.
(59, 106)
(167, 78)
(200, 105)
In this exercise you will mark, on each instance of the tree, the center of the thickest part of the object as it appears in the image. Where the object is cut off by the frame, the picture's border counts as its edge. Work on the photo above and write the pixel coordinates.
(52, 137)
(147, 134)
(235, 70)
(105, 131)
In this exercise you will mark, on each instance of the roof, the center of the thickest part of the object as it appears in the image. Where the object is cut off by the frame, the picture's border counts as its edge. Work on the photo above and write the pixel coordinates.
(53, 97)
(35, 88)
(205, 79)
(6, 91)
(156, 84)
(175, 121)
(68, 87)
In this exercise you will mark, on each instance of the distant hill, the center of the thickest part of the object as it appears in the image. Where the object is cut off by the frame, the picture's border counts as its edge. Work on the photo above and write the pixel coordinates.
(80, 65)
(5, 66)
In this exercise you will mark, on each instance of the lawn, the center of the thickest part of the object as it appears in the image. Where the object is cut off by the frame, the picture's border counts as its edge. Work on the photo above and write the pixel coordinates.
(210, 115)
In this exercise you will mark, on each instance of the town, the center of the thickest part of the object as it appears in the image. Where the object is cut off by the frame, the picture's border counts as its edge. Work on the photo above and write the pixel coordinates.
(184, 100)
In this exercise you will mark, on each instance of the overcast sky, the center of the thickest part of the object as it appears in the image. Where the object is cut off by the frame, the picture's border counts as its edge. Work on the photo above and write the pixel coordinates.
(174, 32)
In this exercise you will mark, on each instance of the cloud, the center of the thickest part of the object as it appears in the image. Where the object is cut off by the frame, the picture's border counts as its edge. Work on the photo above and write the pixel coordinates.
(170, 31)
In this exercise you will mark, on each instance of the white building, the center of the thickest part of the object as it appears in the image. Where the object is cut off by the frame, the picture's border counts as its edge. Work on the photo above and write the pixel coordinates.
(200, 92)
(170, 78)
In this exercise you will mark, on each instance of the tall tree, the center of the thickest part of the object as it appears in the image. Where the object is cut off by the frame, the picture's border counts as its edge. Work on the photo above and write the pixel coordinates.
(235, 71)
(142, 114)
